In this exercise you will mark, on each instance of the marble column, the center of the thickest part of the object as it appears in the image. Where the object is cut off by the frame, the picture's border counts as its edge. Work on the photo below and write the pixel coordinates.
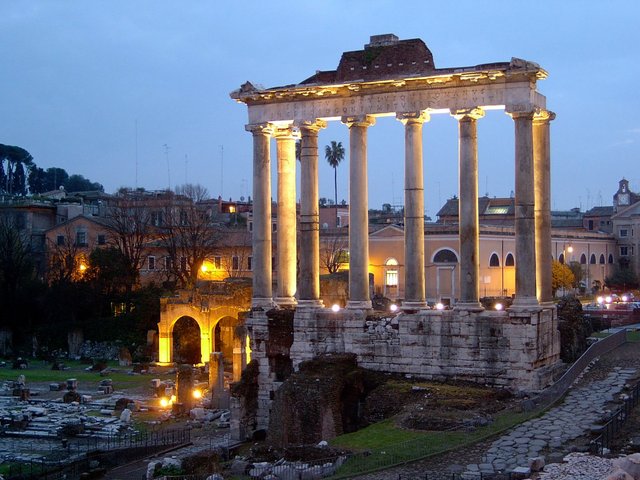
(309, 278)
(524, 210)
(542, 175)
(414, 279)
(359, 297)
(286, 234)
(261, 232)
(469, 224)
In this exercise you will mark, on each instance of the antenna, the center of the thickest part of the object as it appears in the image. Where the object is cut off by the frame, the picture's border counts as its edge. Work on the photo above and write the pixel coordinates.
(222, 171)
(186, 168)
(166, 154)
(136, 129)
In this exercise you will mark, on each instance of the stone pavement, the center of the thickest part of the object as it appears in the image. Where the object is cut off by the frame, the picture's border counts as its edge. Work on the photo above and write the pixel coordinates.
(580, 410)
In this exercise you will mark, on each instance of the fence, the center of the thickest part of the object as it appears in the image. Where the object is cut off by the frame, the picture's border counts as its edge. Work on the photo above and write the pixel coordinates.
(614, 425)
(72, 457)
(559, 388)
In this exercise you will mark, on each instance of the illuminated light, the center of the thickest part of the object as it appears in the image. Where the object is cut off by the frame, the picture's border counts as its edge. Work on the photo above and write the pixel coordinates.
(600, 300)
(439, 306)
(232, 209)
(335, 308)
(248, 349)
(498, 306)
(203, 268)
(570, 249)
(82, 267)
(172, 399)
(393, 307)
(197, 394)
(608, 299)
(164, 402)
(625, 298)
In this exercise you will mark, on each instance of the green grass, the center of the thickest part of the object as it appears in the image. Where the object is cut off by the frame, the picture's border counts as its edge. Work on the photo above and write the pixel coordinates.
(385, 445)
(633, 336)
(39, 371)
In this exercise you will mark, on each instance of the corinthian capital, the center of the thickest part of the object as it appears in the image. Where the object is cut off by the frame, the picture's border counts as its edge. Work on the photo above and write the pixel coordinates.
(520, 111)
(286, 132)
(359, 121)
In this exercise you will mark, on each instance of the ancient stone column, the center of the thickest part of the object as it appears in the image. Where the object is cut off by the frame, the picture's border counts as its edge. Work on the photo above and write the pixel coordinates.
(309, 278)
(414, 280)
(216, 379)
(524, 210)
(261, 233)
(542, 175)
(239, 357)
(469, 225)
(359, 297)
(286, 234)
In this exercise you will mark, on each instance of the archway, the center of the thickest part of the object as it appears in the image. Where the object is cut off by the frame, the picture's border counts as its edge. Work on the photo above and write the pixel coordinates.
(187, 341)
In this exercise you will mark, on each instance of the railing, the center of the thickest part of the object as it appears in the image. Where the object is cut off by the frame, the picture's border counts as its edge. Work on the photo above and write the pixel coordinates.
(614, 425)
(559, 388)
(71, 457)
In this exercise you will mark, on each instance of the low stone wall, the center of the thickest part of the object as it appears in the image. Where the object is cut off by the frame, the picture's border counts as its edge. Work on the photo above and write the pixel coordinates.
(517, 350)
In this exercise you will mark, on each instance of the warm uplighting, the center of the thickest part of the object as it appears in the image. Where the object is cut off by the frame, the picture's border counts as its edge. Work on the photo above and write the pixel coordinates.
(82, 267)
(197, 394)
(608, 299)
(204, 268)
(498, 306)
(172, 399)
(232, 209)
(335, 308)
(393, 307)
(439, 306)
(165, 402)
(600, 300)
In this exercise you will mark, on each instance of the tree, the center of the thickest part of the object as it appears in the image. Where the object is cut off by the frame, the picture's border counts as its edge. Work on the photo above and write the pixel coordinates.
(77, 183)
(36, 180)
(561, 276)
(334, 153)
(14, 160)
(622, 278)
(578, 273)
(188, 234)
(333, 252)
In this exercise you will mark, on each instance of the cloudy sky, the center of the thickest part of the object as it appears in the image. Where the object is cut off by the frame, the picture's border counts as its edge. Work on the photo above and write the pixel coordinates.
(136, 93)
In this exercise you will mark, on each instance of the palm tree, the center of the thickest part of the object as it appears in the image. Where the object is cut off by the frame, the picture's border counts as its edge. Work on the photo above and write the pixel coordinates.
(334, 154)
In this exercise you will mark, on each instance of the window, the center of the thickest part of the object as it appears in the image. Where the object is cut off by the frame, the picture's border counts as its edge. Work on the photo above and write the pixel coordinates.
(217, 261)
(273, 264)
(152, 262)
(101, 240)
(494, 261)
(583, 259)
(592, 260)
(624, 232)
(81, 238)
(561, 258)
(156, 219)
(445, 256)
(590, 224)
(624, 251)
(249, 263)
(510, 261)
(610, 258)
(251, 226)
(60, 240)
(392, 278)
(274, 227)
(168, 263)
(498, 210)
(602, 262)
(183, 264)
(235, 263)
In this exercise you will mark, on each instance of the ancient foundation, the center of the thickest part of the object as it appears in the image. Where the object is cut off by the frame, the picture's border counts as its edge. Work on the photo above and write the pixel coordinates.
(515, 349)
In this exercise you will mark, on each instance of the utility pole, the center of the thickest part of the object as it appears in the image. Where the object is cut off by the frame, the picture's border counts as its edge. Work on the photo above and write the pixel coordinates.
(166, 155)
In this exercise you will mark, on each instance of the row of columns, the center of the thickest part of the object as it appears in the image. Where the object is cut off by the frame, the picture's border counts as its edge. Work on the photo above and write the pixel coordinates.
(532, 211)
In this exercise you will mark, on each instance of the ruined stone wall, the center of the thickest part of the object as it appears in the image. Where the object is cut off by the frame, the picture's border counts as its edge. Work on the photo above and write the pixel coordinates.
(515, 350)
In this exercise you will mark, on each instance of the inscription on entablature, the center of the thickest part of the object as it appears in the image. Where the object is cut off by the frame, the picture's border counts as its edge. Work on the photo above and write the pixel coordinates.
(443, 98)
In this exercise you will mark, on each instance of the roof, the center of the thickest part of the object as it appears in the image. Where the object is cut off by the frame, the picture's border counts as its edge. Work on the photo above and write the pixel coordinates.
(605, 211)
(486, 207)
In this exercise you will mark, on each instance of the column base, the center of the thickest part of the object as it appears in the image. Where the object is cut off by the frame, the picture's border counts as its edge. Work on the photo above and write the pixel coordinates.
(469, 306)
(310, 304)
(264, 303)
(359, 305)
(285, 301)
(421, 305)
(521, 304)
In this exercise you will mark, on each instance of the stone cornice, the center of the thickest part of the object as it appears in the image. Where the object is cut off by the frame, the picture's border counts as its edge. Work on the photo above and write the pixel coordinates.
(515, 71)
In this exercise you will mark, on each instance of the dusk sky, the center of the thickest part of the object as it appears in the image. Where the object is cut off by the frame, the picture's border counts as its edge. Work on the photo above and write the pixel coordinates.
(99, 87)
